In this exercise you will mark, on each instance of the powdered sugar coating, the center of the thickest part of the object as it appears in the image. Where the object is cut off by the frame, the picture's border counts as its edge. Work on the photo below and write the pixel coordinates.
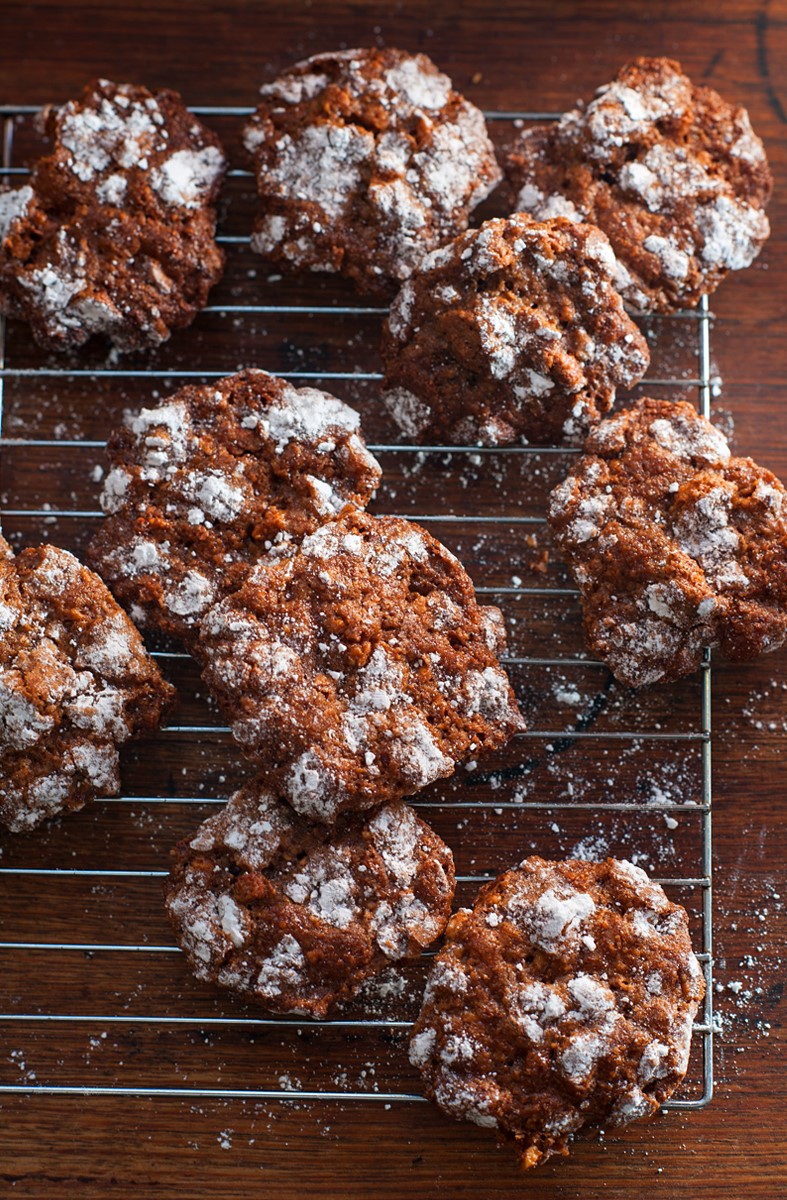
(339, 665)
(676, 545)
(13, 207)
(673, 174)
(213, 478)
(365, 161)
(75, 684)
(540, 1015)
(114, 234)
(512, 331)
(296, 917)
(188, 177)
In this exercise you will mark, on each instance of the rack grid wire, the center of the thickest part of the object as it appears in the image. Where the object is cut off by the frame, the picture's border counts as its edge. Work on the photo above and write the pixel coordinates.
(89, 967)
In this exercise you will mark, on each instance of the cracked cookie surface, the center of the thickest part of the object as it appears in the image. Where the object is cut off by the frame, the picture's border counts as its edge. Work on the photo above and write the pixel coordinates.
(672, 173)
(513, 331)
(75, 683)
(212, 479)
(676, 544)
(359, 667)
(565, 998)
(114, 233)
(297, 916)
(365, 161)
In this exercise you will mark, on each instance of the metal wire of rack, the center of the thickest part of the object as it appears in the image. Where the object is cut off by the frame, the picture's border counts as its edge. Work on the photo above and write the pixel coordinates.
(23, 1019)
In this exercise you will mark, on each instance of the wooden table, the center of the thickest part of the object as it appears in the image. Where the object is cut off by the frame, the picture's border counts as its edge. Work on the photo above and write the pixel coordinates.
(504, 56)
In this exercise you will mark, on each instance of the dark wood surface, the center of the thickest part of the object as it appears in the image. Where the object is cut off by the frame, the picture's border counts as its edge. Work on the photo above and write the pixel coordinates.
(504, 56)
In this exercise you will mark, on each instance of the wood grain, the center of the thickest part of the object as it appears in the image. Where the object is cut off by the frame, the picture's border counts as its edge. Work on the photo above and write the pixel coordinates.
(506, 56)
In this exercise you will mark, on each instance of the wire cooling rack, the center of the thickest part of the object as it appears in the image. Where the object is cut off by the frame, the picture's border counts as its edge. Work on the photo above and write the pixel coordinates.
(95, 999)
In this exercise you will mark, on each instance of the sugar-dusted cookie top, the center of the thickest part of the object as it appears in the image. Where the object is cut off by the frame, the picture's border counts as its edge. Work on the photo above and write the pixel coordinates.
(114, 233)
(75, 683)
(565, 998)
(296, 916)
(514, 331)
(672, 173)
(365, 161)
(676, 545)
(359, 667)
(211, 479)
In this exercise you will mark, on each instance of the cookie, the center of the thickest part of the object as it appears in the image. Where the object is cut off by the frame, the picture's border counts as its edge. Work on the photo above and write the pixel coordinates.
(513, 331)
(675, 545)
(203, 485)
(365, 161)
(75, 683)
(114, 233)
(295, 916)
(564, 999)
(673, 174)
(359, 668)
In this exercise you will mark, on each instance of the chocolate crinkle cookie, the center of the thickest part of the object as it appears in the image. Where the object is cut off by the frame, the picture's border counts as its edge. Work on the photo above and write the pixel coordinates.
(359, 668)
(213, 478)
(673, 174)
(296, 916)
(676, 545)
(365, 161)
(512, 331)
(564, 999)
(75, 683)
(114, 233)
